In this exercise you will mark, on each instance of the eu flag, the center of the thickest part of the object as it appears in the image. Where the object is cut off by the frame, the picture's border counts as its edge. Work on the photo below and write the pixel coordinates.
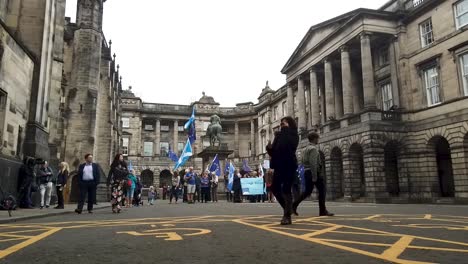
(172, 155)
(215, 167)
(231, 176)
(245, 166)
(192, 134)
(300, 172)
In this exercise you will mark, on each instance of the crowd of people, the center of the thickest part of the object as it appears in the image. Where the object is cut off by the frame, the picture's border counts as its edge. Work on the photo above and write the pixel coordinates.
(281, 182)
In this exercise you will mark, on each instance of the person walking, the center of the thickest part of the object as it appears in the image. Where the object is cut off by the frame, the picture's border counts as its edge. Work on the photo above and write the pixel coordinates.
(191, 184)
(313, 175)
(26, 183)
(214, 187)
(284, 163)
(175, 187)
(62, 178)
(151, 195)
(131, 185)
(116, 178)
(45, 176)
(88, 179)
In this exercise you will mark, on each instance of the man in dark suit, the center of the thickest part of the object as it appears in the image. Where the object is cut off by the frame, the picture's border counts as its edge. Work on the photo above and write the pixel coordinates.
(88, 178)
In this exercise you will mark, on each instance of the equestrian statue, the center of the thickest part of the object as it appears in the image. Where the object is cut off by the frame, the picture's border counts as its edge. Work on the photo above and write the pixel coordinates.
(214, 130)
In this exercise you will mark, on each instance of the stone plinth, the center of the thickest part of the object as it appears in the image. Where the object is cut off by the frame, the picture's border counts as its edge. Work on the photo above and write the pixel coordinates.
(209, 153)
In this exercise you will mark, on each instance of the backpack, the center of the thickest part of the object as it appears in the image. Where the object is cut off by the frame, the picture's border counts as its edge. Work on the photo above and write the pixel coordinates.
(129, 182)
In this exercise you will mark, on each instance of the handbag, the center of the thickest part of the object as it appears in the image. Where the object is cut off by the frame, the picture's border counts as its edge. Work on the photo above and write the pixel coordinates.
(129, 183)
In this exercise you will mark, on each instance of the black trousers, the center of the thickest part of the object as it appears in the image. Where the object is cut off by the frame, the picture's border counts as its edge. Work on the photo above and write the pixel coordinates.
(205, 194)
(87, 188)
(281, 188)
(309, 187)
(59, 190)
(174, 194)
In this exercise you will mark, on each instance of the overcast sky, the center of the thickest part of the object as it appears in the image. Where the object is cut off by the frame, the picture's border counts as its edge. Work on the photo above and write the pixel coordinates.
(171, 51)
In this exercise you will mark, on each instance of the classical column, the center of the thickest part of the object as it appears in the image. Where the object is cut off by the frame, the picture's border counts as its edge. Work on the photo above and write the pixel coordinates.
(236, 139)
(252, 138)
(301, 105)
(356, 91)
(322, 104)
(314, 98)
(393, 56)
(329, 90)
(346, 80)
(158, 137)
(290, 101)
(367, 72)
(175, 148)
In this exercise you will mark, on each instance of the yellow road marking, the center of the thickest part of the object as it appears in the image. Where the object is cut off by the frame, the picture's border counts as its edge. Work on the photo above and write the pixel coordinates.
(399, 247)
(372, 217)
(12, 239)
(428, 216)
(17, 247)
(12, 235)
(320, 232)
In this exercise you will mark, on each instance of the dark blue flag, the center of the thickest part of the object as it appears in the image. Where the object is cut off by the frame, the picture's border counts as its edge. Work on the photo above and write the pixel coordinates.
(192, 133)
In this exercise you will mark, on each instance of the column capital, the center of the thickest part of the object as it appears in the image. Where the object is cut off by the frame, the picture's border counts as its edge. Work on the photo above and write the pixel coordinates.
(326, 60)
(344, 48)
(365, 35)
(300, 78)
(313, 69)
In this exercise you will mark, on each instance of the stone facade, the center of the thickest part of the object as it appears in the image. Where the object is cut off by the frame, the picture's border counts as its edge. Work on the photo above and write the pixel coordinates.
(387, 90)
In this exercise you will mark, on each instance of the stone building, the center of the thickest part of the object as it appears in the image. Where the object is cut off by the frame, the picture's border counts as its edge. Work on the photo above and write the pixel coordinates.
(31, 49)
(60, 88)
(387, 90)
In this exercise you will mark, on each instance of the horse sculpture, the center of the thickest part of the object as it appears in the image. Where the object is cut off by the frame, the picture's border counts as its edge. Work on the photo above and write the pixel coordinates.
(214, 130)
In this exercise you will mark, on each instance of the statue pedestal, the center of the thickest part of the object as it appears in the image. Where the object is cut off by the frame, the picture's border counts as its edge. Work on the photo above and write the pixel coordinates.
(209, 153)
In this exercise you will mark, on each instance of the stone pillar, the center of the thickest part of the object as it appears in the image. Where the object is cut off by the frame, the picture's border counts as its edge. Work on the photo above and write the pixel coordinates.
(252, 138)
(236, 139)
(394, 55)
(347, 83)
(356, 91)
(301, 103)
(314, 98)
(290, 101)
(329, 90)
(368, 82)
(322, 104)
(338, 94)
(158, 137)
(176, 137)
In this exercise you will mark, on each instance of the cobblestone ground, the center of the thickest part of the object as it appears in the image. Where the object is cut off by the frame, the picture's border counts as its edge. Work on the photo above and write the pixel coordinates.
(243, 233)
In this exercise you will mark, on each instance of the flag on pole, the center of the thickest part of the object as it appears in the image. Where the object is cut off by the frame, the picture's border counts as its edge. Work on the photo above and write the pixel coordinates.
(130, 167)
(215, 167)
(172, 155)
(245, 166)
(231, 176)
(260, 171)
(186, 154)
(192, 133)
(191, 120)
(300, 172)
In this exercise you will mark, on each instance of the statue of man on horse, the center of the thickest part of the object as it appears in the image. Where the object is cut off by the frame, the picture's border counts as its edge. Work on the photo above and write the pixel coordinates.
(214, 130)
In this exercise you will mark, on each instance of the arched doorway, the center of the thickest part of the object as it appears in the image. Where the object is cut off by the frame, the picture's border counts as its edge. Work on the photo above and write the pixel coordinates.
(356, 163)
(391, 168)
(444, 166)
(336, 172)
(165, 178)
(75, 188)
(147, 178)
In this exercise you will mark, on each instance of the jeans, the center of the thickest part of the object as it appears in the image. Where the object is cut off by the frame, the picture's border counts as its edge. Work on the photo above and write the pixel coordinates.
(87, 188)
(309, 187)
(45, 189)
(205, 194)
(174, 193)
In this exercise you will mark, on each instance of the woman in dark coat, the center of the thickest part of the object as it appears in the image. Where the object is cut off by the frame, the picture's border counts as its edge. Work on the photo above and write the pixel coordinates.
(284, 163)
(117, 176)
(26, 179)
(62, 178)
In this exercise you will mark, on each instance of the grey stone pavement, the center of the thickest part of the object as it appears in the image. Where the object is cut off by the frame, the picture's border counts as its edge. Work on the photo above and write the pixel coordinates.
(242, 233)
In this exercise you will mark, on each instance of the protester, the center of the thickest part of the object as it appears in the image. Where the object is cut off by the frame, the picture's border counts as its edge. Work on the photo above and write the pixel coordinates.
(131, 185)
(284, 163)
(88, 178)
(268, 183)
(205, 187)
(26, 183)
(313, 175)
(226, 189)
(191, 185)
(236, 187)
(117, 174)
(175, 187)
(62, 178)
(151, 195)
(197, 194)
(214, 187)
(45, 177)
(137, 201)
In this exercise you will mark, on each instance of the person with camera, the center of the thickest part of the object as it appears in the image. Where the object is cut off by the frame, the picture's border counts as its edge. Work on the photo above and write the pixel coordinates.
(44, 177)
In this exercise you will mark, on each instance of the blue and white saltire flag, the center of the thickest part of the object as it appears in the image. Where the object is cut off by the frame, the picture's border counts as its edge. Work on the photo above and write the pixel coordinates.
(172, 155)
(245, 166)
(186, 154)
(231, 176)
(130, 167)
(191, 120)
(300, 172)
(215, 167)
